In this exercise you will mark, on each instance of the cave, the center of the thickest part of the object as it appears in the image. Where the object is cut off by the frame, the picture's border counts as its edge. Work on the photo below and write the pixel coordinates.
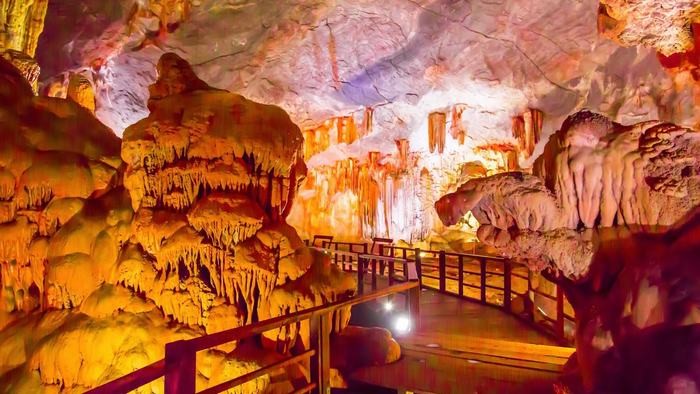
(349, 196)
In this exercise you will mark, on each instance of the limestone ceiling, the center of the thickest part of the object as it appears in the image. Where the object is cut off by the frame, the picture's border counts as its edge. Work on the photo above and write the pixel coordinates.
(405, 58)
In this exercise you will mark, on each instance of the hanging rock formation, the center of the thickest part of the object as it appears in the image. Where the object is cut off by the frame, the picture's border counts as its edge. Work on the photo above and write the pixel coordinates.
(595, 179)
(104, 259)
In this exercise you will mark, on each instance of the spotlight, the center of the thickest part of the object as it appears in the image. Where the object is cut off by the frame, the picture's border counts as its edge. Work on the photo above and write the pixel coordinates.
(388, 306)
(402, 325)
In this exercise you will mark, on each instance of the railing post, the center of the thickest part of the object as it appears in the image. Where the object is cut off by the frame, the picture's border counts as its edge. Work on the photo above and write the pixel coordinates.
(560, 312)
(530, 295)
(405, 274)
(321, 370)
(441, 270)
(414, 306)
(507, 267)
(391, 272)
(381, 262)
(180, 368)
(482, 262)
(374, 274)
(360, 275)
(460, 276)
(419, 269)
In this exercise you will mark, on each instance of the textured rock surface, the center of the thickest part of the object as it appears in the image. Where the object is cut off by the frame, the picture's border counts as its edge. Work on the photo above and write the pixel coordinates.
(103, 261)
(593, 174)
(661, 24)
(21, 23)
(380, 70)
(637, 313)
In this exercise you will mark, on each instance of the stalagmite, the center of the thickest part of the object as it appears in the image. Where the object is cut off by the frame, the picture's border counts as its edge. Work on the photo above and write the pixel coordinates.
(437, 124)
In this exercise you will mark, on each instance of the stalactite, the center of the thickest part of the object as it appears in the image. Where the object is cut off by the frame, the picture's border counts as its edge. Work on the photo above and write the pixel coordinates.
(437, 124)
(345, 129)
(457, 129)
(333, 58)
(367, 120)
(373, 159)
(402, 146)
(527, 129)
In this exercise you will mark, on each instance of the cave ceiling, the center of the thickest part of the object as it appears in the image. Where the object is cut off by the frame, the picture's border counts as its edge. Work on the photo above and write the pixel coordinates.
(404, 58)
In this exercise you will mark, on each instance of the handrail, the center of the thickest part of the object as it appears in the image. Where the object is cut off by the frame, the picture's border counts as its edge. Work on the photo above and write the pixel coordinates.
(179, 369)
(433, 267)
(222, 337)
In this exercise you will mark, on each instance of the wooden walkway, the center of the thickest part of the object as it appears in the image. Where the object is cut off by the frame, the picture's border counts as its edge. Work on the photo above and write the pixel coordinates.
(465, 347)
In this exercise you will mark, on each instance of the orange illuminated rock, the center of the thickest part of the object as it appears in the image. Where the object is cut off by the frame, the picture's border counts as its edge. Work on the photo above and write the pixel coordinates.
(21, 23)
(187, 236)
(80, 90)
(662, 25)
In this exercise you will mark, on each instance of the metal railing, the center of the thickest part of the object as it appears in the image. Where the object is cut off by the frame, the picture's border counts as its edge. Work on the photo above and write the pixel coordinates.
(490, 280)
(179, 365)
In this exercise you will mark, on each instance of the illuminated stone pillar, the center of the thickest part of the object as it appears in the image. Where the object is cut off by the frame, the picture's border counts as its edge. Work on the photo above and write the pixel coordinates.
(21, 23)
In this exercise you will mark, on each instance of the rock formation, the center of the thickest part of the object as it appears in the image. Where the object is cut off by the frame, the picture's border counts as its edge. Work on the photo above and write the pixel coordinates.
(21, 23)
(662, 24)
(110, 249)
(637, 321)
(595, 179)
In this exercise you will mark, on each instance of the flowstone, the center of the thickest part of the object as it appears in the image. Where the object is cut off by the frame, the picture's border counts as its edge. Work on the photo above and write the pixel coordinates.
(109, 249)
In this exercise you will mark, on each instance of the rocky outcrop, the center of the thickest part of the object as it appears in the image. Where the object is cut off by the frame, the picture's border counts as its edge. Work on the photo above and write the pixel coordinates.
(109, 249)
(594, 174)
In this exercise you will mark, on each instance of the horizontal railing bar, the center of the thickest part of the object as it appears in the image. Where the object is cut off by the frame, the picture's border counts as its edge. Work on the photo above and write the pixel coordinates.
(494, 287)
(475, 256)
(133, 380)
(258, 373)
(219, 338)
(551, 297)
(305, 389)
(383, 258)
(337, 252)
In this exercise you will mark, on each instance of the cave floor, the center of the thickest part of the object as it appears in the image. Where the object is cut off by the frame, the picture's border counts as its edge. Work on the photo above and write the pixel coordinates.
(465, 347)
